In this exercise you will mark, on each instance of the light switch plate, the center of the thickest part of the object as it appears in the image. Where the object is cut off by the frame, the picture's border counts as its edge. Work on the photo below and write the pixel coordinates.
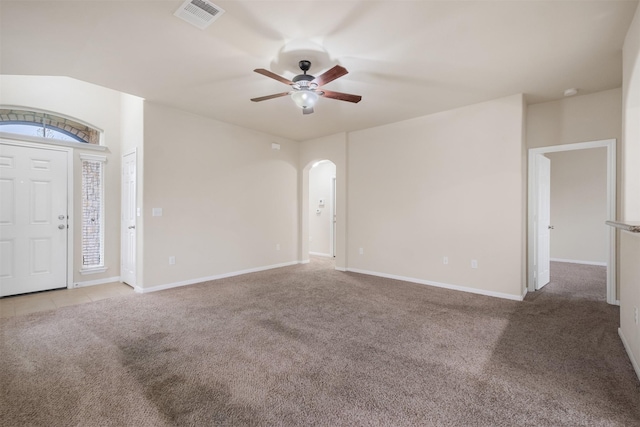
(156, 211)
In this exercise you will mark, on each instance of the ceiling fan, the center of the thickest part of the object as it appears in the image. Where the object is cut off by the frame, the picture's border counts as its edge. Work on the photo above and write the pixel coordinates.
(305, 87)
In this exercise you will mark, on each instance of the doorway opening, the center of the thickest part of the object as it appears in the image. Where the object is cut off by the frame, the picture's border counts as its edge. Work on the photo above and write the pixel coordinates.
(540, 226)
(322, 209)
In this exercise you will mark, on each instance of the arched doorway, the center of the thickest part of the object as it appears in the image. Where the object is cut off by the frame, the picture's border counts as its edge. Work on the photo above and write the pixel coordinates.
(322, 209)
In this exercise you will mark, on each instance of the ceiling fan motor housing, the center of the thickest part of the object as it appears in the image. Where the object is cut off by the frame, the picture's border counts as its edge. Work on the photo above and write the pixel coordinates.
(304, 80)
(304, 65)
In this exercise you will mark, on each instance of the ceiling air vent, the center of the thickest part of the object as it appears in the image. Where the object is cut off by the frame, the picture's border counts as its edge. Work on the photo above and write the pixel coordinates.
(200, 13)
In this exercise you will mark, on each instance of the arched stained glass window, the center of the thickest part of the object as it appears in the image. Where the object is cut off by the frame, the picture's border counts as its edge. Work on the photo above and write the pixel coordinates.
(46, 125)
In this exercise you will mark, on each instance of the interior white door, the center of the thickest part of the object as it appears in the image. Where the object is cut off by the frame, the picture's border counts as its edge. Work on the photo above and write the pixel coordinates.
(543, 172)
(128, 224)
(333, 217)
(33, 219)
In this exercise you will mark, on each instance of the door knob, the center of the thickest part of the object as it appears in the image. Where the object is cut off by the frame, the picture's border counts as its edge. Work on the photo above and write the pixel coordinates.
(132, 226)
(61, 226)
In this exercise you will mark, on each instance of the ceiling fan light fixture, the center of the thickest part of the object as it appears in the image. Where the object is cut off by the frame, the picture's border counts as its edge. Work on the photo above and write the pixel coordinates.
(304, 98)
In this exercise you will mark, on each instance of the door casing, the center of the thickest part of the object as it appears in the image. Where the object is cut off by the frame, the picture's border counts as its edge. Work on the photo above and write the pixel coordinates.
(532, 238)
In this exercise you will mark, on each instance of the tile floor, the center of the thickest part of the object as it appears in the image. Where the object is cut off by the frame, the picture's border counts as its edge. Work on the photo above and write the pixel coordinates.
(50, 300)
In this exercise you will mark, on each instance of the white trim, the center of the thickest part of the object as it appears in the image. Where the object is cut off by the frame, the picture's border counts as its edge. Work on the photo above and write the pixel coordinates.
(439, 285)
(634, 363)
(321, 254)
(93, 270)
(140, 290)
(70, 216)
(532, 185)
(93, 157)
(96, 282)
(573, 261)
(341, 269)
(304, 261)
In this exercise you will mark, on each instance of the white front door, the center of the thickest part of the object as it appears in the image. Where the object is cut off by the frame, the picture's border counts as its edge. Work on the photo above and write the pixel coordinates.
(128, 225)
(33, 219)
(543, 171)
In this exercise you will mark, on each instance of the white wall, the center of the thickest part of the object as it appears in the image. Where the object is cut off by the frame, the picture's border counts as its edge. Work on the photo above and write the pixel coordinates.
(582, 118)
(579, 206)
(99, 107)
(452, 186)
(228, 199)
(320, 224)
(630, 243)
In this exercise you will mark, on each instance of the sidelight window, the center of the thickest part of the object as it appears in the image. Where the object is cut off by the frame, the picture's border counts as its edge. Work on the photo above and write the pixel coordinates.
(92, 213)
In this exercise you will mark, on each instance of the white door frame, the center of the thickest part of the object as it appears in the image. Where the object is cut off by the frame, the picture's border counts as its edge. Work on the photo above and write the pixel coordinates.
(70, 212)
(532, 239)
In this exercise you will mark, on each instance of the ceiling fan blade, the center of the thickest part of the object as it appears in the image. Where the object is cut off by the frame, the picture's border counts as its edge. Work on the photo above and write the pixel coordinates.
(307, 110)
(275, 95)
(330, 75)
(273, 76)
(341, 96)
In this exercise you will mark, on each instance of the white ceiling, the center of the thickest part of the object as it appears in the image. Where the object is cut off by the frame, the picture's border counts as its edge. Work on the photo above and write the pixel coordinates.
(406, 58)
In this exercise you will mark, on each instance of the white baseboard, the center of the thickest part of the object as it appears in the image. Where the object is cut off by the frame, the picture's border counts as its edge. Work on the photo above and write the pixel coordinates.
(573, 261)
(636, 367)
(140, 290)
(340, 268)
(321, 254)
(96, 282)
(440, 285)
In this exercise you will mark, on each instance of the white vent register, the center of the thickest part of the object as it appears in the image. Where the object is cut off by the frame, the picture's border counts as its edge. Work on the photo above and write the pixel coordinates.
(200, 13)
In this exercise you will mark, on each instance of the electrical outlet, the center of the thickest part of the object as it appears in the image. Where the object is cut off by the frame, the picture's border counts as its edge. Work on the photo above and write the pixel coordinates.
(172, 260)
(474, 263)
(445, 260)
(361, 251)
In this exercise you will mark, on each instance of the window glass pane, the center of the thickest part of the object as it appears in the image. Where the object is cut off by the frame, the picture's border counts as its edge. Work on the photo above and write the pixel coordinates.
(35, 129)
(92, 222)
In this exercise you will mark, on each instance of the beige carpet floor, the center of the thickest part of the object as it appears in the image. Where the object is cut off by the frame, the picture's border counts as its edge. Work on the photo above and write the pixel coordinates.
(307, 345)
